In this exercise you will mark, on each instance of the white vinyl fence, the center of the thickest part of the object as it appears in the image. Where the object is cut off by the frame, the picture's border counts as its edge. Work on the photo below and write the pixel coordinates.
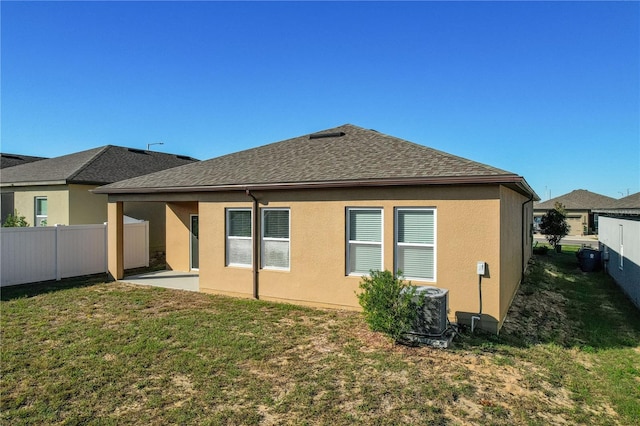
(55, 252)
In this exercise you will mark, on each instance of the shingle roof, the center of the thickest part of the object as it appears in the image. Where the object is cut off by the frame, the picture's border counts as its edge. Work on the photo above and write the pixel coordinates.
(342, 154)
(627, 205)
(579, 199)
(10, 160)
(101, 165)
(629, 202)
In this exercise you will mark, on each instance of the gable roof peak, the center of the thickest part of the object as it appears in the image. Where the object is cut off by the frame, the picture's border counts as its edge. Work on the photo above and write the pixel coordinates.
(578, 199)
(346, 155)
(101, 165)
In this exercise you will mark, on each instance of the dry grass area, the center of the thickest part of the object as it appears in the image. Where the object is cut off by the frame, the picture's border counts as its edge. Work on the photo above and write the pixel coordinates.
(112, 353)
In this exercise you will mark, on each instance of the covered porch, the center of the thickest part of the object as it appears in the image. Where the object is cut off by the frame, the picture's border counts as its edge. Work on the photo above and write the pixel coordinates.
(180, 231)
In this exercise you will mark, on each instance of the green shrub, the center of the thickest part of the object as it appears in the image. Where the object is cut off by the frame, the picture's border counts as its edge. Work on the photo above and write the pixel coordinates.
(388, 303)
(15, 220)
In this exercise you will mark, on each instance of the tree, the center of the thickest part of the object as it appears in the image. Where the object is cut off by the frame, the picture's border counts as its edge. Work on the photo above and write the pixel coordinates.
(553, 225)
(15, 220)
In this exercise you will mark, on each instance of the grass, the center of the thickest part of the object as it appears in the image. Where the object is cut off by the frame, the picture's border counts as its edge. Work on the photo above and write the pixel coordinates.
(87, 352)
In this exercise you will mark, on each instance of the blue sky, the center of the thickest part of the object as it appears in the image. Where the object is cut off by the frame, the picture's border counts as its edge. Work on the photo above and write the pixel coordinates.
(548, 90)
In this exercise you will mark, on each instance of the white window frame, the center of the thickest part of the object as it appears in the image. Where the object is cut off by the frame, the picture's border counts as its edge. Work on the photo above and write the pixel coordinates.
(263, 239)
(40, 217)
(349, 242)
(434, 245)
(233, 237)
(621, 256)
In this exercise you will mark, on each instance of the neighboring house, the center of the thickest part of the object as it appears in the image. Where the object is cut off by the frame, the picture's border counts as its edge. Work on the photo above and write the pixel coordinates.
(57, 190)
(304, 219)
(10, 160)
(619, 239)
(579, 206)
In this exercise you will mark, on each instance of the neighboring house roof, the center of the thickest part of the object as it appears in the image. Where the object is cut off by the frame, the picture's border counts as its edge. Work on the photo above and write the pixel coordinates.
(627, 205)
(99, 166)
(580, 199)
(10, 160)
(343, 156)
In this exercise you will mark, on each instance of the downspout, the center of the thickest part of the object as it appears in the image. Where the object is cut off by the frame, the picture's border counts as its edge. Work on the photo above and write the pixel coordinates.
(254, 239)
(522, 264)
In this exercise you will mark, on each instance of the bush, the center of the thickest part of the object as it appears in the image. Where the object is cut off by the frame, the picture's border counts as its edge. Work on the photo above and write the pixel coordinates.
(15, 220)
(540, 250)
(388, 303)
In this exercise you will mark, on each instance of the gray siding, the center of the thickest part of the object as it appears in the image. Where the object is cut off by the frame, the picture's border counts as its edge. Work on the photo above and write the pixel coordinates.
(620, 240)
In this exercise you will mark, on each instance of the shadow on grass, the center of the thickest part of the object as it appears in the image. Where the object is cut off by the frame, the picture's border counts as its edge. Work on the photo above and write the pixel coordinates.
(44, 287)
(558, 303)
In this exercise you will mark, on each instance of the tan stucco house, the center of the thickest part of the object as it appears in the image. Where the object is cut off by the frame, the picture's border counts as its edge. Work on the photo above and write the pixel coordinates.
(304, 219)
(10, 160)
(57, 190)
(579, 205)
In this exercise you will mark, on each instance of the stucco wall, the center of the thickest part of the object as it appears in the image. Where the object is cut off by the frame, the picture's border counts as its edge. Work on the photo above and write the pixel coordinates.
(57, 203)
(215, 276)
(87, 208)
(468, 230)
(155, 213)
(514, 235)
(177, 235)
(577, 220)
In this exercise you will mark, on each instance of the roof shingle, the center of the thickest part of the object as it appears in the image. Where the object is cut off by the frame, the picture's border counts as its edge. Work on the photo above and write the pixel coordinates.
(579, 199)
(343, 154)
(627, 205)
(629, 202)
(11, 160)
(101, 165)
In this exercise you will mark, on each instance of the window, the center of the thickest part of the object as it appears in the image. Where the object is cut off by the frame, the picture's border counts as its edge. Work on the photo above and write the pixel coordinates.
(194, 251)
(41, 211)
(621, 255)
(275, 238)
(415, 243)
(364, 240)
(239, 246)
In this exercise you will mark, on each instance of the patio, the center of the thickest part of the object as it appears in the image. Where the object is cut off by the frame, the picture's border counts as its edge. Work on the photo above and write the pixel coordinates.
(167, 279)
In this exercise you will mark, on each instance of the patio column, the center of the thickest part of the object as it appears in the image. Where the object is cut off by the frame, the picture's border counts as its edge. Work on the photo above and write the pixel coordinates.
(115, 245)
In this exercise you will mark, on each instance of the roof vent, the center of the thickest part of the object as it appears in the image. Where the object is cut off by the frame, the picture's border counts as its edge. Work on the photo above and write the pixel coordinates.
(184, 157)
(326, 135)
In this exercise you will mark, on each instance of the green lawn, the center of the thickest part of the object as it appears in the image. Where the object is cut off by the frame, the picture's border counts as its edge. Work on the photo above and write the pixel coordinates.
(88, 352)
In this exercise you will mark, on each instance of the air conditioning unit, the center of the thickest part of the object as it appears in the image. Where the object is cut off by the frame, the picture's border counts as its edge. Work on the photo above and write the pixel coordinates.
(432, 316)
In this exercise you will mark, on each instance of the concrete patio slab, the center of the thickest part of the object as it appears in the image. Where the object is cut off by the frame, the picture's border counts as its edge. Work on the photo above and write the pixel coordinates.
(168, 279)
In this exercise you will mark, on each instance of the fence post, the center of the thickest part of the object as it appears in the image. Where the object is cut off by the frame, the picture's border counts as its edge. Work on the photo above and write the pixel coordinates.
(106, 248)
(58, 252)
(146, 242)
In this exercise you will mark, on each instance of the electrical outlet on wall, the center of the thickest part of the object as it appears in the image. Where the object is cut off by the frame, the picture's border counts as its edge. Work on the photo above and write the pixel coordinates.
(481, 268)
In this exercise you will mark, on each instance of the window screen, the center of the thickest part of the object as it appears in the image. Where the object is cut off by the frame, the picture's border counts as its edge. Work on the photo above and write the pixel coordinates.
(239, 245)
(364, 245)
(275, 238)
(415, 243)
